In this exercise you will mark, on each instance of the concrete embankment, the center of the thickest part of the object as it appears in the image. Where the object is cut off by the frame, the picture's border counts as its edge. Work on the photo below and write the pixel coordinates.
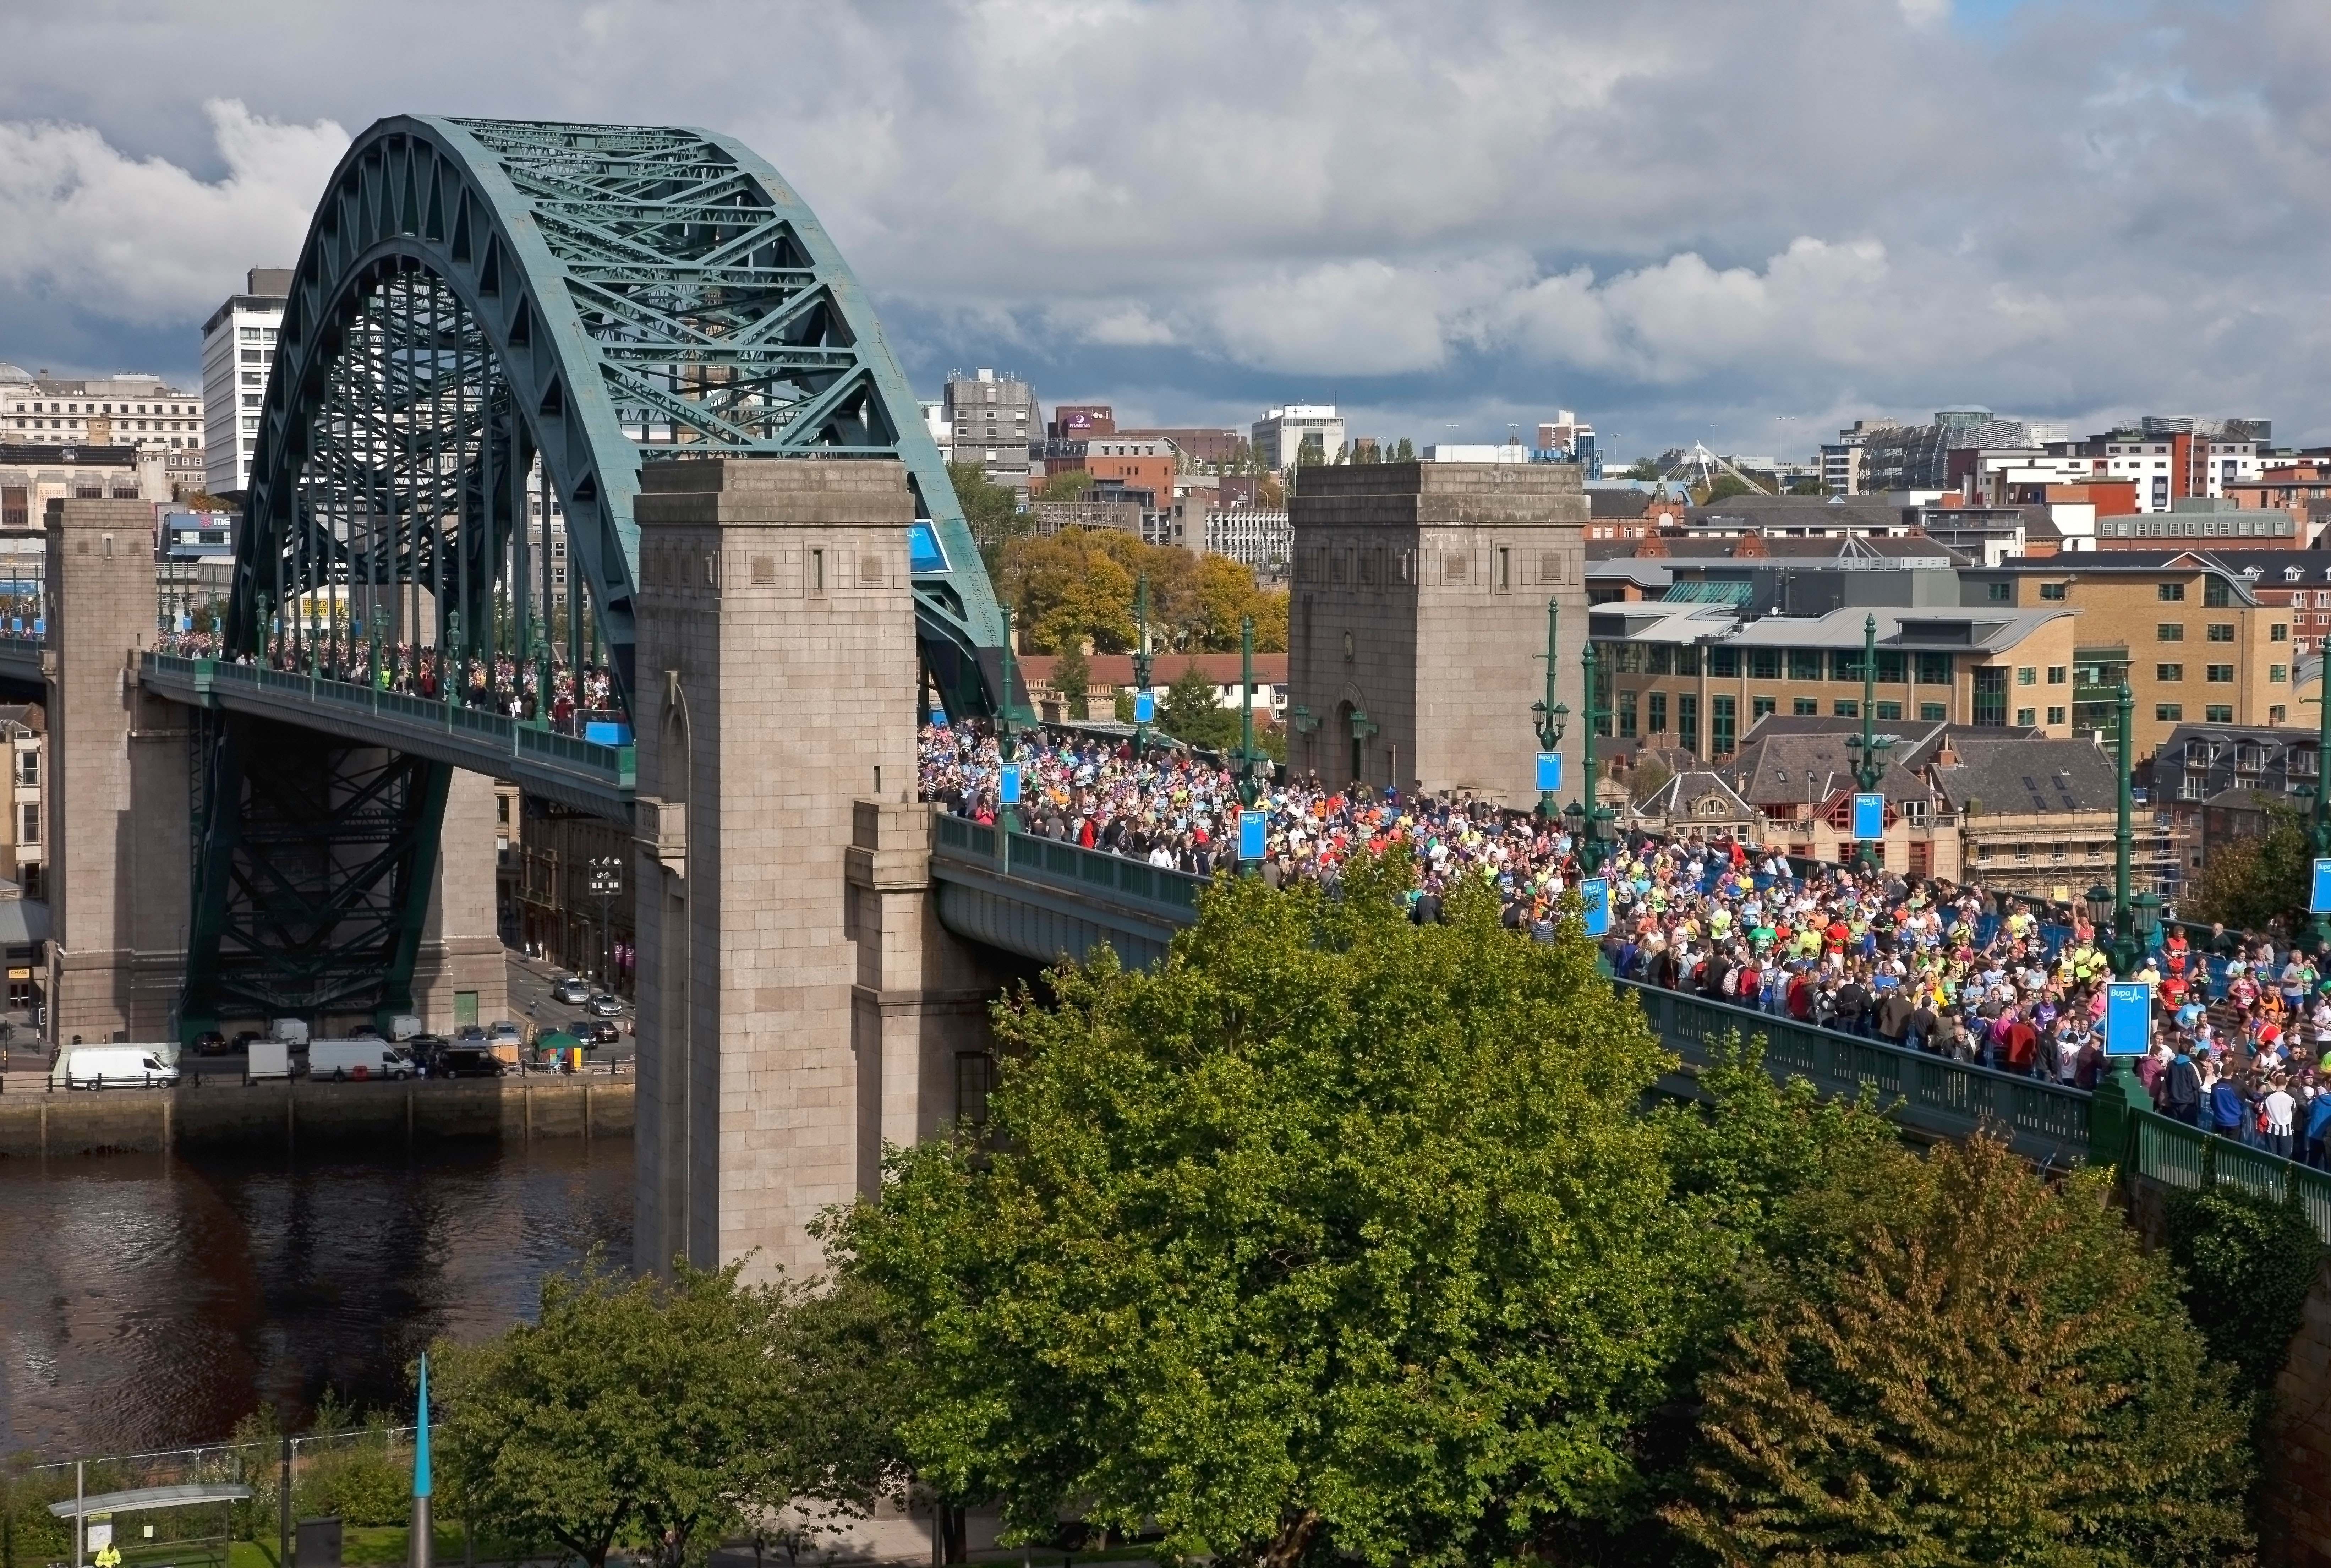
(294, 1118)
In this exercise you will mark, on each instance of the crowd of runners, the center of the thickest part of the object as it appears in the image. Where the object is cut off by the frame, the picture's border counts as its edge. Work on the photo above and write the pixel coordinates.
(501, 684)
(2241, 1027)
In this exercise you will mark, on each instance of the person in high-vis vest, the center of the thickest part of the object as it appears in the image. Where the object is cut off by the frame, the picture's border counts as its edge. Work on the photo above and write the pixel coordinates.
(109, 1556)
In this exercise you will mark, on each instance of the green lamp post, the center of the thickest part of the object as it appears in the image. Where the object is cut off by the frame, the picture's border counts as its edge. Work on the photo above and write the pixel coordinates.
(1870, 749)
(2322, 794)
(1249, 791)
(1008, 816)
(1552, 718)
(1586, 818)
(1140, 661)
(2134, 919)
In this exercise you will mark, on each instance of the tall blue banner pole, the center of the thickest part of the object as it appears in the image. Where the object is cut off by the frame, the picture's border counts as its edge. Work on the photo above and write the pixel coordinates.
(424, 1526)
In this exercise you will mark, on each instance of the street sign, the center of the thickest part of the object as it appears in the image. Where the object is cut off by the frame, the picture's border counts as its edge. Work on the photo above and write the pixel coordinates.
(1007, 787)
(1549, 771)
(1145, 707)
(1252, 826)
(2318, 901)
(938, 718)
(2128, 1018)
(1595, 898)
(1869, 816)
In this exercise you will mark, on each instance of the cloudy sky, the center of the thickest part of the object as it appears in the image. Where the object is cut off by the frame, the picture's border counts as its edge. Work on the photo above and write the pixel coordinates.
(1742, 220)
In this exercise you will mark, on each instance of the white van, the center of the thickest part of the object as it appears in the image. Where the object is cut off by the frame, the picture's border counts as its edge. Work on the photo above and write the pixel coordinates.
(370, 1057)
(290, 1031)
(404, 1027)
(269, 1059)
(95, 1067)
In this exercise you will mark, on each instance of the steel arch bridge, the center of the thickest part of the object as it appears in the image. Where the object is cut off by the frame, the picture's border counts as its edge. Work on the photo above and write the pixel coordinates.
(492, 323)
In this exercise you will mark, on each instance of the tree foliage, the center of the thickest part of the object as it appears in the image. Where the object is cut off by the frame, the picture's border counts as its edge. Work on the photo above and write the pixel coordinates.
(1965, 1364)
(1193, 711)
(2248, 883)
(1332, 1234)
(991, 510)
(2248, 1261)
(1078, 585)
(656, 1416)
(1072, 679)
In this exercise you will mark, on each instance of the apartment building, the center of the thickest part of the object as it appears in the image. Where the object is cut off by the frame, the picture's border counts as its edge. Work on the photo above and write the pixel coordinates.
(2192, 638)
(142, 413)
(1280, 435)
(990, 418)
(238, 351)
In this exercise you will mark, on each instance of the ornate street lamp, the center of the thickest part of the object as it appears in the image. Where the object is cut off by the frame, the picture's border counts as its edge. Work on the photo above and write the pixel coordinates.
(1140, 661)
(2125, 950)
(1552, 718)
(1007, 816)
(1587, 818)
(1246, 756)
(1868, 749)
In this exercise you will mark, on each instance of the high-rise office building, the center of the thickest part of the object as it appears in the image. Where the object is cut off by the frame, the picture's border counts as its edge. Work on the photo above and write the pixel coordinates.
(238, 349)
(990, 418)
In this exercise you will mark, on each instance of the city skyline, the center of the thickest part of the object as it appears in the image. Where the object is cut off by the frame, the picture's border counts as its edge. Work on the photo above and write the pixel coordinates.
(2076, 212)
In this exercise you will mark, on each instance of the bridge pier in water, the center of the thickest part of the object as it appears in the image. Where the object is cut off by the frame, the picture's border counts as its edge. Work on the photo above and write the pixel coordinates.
(798, 1003)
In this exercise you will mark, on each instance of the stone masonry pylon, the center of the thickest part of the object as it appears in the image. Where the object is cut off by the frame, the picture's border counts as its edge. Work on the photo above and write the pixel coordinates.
(776, 683)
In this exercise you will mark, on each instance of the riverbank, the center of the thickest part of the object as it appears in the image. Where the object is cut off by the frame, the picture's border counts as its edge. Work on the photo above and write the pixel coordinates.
(286, 1117)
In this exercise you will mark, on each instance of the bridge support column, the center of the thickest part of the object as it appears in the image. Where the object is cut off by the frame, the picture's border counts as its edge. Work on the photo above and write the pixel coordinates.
(776, 689)
(118, 790)
(462, 974)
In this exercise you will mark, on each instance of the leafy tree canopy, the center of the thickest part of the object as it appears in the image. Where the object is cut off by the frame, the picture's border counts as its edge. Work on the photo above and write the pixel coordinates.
(1330, 1234)
(991, 510)
(2249, 1261)
(2251, 883)
(1078, 585)
(1962, 1364)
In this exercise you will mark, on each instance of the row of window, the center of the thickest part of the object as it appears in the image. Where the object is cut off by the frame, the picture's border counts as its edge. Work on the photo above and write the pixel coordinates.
(1896, 667)
(2218, 674)
(2213, 713)
(1647, 713)
(2217, 594)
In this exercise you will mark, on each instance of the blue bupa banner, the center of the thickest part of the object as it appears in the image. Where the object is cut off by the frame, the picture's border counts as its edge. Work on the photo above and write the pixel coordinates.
(1252, 820)
(1549, 771)
(1594, 899)
(2128, 1018)
(1007, 788)
(2318, 900)
(1869, 816)
(1145, 707)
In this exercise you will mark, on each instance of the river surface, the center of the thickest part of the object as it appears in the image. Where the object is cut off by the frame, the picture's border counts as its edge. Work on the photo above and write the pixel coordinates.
(149, 1302)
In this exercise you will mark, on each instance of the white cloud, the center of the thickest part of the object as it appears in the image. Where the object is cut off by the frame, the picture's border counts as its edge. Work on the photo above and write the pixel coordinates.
(143, 241)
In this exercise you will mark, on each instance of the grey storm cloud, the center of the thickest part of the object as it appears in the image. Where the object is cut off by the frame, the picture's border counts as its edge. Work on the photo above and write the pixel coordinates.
(1763, 217)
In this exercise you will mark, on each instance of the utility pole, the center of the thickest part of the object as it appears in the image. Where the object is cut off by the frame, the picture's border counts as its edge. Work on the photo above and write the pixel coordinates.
(1552, 716)
(607, 885)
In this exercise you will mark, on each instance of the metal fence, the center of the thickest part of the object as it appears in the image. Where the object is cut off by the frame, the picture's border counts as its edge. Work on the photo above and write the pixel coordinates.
(1066, 865)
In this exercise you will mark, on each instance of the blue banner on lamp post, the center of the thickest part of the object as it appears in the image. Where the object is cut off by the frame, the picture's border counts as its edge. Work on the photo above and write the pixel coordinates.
(1594, 905)
(2318, 901)
(1549, 771)
(2128, 1018)
(1253, 823)
(1007, 785)
(1869, 816)
(1145, 707)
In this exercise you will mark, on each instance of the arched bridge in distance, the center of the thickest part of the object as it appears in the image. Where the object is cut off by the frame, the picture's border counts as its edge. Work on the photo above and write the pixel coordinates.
(645, 334)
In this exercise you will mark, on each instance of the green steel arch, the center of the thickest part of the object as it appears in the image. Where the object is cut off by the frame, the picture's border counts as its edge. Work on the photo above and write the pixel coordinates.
(489, 313)
(491, 322)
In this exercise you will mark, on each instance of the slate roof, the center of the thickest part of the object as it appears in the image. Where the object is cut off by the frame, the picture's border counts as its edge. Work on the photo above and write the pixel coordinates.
(2017, 776)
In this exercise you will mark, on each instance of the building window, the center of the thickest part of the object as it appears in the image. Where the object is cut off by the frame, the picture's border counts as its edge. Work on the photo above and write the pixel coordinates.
(1627, 715)
(2052, 590)
(2170, 593)
(1845, 665)
(2277, 714)
(1758, 706)
(1723, 662)
(2027, 718)
(2278, 633)
(1687, 720)
(2169, 631)
(1931, 712)
(1723, 722)
(2219, 674)
(1890, 667)
(1805, 664)
(2169, 712)
(1804, 707)
(2056, 675)
(28, 822)
(28, 768)
(1844, 708)
(2168, 672)
(1889, 711)
(2221, 631)
(2027, 675)
(1659, 712)
(2216, 592)
(2217, 713)
(1764, 664)
(2055, 715)
(2276, 674)
(1934, 669)
(1998, 593)
(1990, 696)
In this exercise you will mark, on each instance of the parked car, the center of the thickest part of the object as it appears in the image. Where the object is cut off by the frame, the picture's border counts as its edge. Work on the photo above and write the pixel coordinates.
(210, 1043)
(601, 1033)
(465, 1062)
(603, 1005)
(241, 1045)
(469, 1032)
(503, 1029)
(570, 990)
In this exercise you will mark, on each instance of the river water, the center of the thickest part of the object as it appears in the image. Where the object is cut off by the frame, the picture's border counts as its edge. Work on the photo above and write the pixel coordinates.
(150, 1302)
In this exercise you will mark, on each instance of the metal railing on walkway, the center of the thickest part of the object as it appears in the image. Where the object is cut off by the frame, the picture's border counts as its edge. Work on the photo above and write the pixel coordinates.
(1155, 888)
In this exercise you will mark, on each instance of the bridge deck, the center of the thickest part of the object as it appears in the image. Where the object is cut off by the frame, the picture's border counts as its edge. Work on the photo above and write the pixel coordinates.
(581, 773)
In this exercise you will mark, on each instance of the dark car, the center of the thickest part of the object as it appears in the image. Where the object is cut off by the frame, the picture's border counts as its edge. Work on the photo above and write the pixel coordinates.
(210, 1043)
(465, 1062)
(601, 1033)
(241, 1045)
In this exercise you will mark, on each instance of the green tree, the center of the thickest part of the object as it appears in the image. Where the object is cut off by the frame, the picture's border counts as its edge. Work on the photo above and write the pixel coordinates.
(1966, 1365)
(1405, 451)
(1643, 468)
(1193, 711)
(1071, 677)
(991, 511)
(1330, 1235)
(635, 1412)
(2248, 883)
(2248, 1261)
